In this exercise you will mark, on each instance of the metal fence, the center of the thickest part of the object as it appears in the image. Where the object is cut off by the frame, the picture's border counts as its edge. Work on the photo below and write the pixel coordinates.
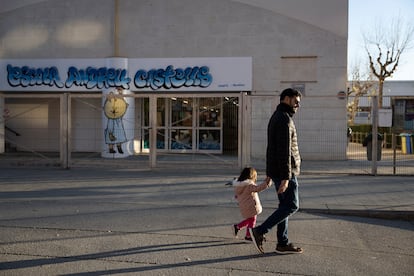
(36, 128)
(394, 154)
(24, 141)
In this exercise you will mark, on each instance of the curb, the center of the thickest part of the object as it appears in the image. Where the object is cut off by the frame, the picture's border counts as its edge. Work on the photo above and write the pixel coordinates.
(389, 215)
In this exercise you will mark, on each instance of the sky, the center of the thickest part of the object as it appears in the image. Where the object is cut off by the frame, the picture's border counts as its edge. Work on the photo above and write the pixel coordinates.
(363, 15)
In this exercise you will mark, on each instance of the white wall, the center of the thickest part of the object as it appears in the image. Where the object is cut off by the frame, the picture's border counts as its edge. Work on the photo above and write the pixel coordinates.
(86, 131)
(57, 29)
(37, 123)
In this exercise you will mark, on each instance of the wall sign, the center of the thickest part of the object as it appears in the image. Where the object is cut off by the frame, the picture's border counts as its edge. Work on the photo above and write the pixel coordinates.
(186, 74)
(341, 95)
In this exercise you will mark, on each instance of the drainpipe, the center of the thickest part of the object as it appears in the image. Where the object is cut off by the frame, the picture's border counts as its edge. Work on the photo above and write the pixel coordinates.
(2, 125)
(116, 30)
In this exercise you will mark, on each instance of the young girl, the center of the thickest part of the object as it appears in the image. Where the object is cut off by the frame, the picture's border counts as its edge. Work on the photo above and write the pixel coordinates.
(246, 193)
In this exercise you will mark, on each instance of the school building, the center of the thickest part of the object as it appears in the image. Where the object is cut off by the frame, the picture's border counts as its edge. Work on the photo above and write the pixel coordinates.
(131, 77)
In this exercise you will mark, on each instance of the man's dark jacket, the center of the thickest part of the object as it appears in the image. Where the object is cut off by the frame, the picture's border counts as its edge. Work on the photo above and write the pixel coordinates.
(282, 156)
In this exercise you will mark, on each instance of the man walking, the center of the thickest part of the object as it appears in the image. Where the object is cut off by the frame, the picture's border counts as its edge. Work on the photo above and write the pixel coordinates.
(282, 166)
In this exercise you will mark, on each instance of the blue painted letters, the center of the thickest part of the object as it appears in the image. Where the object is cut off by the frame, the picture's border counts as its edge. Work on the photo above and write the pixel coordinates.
(25, 76)
(99, 78)
(91, 77)
(173, 78)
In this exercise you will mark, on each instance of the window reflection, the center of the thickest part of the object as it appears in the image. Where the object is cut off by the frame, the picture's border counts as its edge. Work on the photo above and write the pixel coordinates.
(160, 139)
(182, 112)
(209, 112)
(181, 139)
(209, 140)
(161, 112)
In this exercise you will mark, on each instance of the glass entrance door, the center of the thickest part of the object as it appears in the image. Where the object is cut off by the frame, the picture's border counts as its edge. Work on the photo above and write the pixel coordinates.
(181, 124)
(192, 124)
(209, 126)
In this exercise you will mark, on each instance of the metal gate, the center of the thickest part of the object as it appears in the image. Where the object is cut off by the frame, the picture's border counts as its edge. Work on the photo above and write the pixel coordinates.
(66, 130)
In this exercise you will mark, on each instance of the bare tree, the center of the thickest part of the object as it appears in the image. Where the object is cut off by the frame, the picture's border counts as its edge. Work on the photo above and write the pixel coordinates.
(359, 86)
(384, 48)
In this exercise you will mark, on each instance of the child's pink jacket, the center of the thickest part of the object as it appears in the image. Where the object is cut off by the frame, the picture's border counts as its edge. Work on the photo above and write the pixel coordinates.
(246, 193)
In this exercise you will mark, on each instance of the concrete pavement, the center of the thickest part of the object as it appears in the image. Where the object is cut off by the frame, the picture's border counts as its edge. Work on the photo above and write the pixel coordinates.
(175, 221)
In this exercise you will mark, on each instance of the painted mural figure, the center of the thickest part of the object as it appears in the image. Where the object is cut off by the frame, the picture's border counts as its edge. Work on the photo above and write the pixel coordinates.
(115, 108)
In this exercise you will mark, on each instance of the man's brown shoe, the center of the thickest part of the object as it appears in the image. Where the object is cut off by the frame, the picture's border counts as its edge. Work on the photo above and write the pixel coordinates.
(289, 248)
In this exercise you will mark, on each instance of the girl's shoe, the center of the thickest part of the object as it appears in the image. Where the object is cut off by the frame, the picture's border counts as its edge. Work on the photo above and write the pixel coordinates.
(235, 230)
(248, 238)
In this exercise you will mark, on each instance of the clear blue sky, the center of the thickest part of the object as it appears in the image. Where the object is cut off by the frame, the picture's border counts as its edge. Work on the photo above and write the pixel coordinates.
(364, 14)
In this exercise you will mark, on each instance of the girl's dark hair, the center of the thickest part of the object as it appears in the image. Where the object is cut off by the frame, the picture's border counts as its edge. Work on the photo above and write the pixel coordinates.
(248, 173)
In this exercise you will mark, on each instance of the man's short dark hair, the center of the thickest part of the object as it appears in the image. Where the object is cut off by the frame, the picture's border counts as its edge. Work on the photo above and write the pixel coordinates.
(290, 92)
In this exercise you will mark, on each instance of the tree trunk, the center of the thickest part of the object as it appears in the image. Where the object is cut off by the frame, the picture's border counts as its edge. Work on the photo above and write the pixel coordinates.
(380, 88)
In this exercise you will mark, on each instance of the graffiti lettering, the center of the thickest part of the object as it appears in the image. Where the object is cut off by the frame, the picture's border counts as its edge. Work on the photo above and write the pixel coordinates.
(173, 78)
(92, 77)
(99, 78)
(25, 76)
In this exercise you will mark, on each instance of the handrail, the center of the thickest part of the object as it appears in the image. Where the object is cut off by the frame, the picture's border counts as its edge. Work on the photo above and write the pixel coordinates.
(12, 131)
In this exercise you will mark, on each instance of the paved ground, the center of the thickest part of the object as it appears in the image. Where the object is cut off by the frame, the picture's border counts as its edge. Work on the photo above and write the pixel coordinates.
(169, 221)
(392, 163)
